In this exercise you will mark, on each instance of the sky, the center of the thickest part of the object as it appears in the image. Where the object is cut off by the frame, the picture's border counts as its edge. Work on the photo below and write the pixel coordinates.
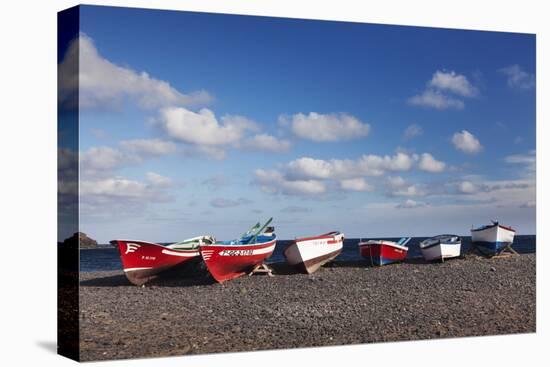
(197, 123)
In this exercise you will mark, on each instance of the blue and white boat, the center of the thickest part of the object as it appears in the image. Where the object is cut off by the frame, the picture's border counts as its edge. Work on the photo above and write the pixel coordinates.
(491, 239)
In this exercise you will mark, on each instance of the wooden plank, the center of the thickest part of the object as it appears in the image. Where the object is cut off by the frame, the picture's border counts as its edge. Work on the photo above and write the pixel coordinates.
(262, 269)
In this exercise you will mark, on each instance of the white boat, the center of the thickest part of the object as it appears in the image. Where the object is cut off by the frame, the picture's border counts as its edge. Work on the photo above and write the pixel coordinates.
(493, 238)
(310, 253)
(444, 246)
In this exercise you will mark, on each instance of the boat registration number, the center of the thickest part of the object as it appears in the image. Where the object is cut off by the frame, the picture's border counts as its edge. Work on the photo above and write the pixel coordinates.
(236, 252)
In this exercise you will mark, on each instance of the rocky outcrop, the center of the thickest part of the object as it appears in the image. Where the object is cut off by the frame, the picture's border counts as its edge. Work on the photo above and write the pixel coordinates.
(80, 238)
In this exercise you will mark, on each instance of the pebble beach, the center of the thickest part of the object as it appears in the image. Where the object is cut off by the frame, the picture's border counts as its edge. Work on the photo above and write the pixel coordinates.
(343, 303)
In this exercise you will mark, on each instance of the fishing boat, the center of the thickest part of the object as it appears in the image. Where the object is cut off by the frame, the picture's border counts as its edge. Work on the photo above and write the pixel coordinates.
(441, 247)
(493, 238)
(310, 253)
(382, 252)
(227, 260)
(143, 261)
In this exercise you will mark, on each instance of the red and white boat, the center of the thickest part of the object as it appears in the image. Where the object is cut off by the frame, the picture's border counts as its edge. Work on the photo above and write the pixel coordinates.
(227, 260)
(143, 261)
(310, 253)
(382, 252)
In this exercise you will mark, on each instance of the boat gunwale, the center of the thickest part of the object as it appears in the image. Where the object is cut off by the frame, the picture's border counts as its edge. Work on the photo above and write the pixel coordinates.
(240, 245)
(319, 237)
(489, 226)
(438, 241)
(155, 244)
(383, 243)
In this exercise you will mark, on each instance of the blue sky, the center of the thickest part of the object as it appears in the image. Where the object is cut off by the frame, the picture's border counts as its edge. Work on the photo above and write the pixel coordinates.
(198, 123)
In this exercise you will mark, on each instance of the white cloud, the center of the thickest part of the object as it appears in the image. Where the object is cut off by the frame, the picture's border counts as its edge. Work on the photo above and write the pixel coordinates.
(307, 167)
(203, 128)
(436, 99)
(397, 181)
(411, 190)
(113, 187)
(366, 165)
(158, 180)
(120, 195)
(412, 131)
(528, 160)
(274, 182)
(509, 193)
(410, 204)
(518, 78)
(268, 143)
(453, 82)
(205, 134)
(104, 84)
(466, 142)
(149, 146)
(213, 152)
(399, 187)
(326, 127)
(119, 187)
(429, 164)
(355, 184)
(310, 176)
(438, 89)
(103, 159)
(100, 160)
(474, 190)
(467, 187)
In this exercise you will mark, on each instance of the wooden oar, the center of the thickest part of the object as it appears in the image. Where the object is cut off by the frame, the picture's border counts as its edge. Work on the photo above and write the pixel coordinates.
(253, 238)
(250, 230)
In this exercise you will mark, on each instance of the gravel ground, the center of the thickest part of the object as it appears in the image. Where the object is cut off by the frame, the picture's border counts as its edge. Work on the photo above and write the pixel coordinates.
(343, 303)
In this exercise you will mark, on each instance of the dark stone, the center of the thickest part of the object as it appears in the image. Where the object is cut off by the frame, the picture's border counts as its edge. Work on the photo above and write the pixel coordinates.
(79, 238)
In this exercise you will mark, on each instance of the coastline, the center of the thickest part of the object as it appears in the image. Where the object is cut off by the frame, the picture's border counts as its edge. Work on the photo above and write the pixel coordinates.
(345, 302)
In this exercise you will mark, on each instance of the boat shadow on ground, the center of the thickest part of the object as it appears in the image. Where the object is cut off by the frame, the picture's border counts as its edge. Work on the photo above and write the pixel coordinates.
(170, 280)
(365, 263)
(362, 263)
(203, 278)
(421, 261)
(282, 268)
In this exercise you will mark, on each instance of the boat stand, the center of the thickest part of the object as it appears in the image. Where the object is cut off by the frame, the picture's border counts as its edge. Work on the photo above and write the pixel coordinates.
(506, 252)
(261, 269)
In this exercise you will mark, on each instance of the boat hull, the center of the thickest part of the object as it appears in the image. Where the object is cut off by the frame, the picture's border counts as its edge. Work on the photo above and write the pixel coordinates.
(492, 240)
(144, 261)
(310, 254)
(382, 254)
(226, 262)
(441, 251)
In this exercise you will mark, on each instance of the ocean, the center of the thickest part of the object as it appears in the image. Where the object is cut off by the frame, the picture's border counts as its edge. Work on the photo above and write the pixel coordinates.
(105, 258)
